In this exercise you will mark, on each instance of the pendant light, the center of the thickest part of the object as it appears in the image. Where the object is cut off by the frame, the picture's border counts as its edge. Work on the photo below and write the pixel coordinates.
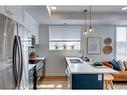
(90, 28)
(85, 31)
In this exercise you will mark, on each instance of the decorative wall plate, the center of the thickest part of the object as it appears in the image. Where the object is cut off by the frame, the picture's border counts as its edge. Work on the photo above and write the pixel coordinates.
(107, 49)
(108, 41)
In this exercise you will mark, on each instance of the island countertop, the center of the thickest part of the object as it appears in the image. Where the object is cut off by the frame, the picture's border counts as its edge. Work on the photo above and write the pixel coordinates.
(86, 67)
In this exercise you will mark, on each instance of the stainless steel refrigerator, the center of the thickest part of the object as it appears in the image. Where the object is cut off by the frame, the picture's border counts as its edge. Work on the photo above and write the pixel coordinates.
(13, 54)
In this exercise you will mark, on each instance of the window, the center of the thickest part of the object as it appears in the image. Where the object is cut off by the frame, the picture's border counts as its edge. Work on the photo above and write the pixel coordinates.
(64, 37)
(121, 45)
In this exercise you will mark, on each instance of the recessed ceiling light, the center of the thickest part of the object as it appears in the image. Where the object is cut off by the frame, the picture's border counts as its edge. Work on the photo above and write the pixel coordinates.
(124, 8)
(53, 8)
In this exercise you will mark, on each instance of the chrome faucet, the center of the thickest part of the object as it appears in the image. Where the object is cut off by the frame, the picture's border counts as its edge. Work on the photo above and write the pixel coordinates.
(81, 54)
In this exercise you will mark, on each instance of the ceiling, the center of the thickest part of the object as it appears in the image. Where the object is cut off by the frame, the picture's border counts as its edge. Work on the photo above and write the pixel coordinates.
(74, 15)
(94, 8)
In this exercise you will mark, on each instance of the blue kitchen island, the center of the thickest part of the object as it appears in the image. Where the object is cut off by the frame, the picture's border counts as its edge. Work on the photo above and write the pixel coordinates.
(83, 75)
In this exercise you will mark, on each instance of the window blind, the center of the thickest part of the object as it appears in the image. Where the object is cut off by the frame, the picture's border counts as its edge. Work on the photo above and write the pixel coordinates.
(64, 33)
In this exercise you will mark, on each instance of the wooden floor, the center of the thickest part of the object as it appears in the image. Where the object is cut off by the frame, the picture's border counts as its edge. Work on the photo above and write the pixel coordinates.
(53, 82)
(55, 78)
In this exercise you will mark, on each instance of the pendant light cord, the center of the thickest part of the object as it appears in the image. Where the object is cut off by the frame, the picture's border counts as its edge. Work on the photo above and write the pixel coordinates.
(90, 15)
(85, 11)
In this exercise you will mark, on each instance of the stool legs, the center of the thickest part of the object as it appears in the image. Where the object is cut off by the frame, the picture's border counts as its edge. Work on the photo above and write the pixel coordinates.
(109, 83)
(106, 84)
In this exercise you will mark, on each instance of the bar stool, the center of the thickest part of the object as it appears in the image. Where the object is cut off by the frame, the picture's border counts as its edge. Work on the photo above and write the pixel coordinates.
(108, 78)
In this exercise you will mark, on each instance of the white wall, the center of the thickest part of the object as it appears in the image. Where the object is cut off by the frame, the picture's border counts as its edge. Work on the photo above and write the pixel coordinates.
(55, 65)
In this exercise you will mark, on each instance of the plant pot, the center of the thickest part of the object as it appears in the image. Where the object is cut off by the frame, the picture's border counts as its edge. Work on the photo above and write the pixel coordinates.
(72, 47)
(56, 47)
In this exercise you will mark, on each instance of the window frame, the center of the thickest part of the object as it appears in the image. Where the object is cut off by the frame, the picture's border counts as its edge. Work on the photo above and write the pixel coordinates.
(116, 40)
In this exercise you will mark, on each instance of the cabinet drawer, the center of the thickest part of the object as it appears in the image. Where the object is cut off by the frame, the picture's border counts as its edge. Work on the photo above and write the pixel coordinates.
(86, 81)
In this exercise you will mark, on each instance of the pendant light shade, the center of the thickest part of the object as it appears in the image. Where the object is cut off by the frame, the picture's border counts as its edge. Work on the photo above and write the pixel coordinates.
(90, 29)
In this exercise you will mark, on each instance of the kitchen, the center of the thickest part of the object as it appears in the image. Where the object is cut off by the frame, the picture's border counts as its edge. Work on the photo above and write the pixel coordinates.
(38, 53)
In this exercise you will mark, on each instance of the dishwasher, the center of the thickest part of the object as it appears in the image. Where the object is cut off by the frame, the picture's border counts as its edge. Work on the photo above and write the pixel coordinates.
(68, 73)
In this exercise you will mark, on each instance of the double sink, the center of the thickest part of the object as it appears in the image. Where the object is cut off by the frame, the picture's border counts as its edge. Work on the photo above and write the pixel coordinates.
(75, 61)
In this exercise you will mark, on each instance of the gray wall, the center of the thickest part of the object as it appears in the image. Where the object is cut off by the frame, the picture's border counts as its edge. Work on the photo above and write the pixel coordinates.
(55, 65)
(103, 32)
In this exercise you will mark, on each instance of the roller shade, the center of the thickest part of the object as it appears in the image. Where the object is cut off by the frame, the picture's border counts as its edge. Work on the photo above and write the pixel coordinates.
(64, 33)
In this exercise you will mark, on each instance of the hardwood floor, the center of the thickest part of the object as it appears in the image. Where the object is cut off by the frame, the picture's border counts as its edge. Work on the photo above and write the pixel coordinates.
(53, 78)
(53, 82)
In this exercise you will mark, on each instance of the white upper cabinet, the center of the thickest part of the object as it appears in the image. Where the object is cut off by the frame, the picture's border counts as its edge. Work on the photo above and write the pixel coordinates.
(13, 12)
(2, 10)
(21, 16)
(31, 25)
(17, 13)
(36, 33)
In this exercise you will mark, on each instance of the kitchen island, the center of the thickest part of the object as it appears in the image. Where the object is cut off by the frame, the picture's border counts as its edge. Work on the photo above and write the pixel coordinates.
(83, 75)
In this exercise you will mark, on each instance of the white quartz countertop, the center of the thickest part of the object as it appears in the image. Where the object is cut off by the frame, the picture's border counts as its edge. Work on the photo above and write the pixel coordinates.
(86, 67)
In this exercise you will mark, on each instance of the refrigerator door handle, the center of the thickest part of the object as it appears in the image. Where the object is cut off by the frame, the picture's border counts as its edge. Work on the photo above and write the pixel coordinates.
(20, 66)
(17, 67)
(14, 61)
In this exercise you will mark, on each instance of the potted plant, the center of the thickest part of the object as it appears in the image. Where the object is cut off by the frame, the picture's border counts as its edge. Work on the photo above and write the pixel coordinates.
(65, 46)
(56, 46)
(72, 47)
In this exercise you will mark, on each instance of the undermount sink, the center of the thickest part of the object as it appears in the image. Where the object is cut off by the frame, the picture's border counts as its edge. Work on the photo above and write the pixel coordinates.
(75, 61)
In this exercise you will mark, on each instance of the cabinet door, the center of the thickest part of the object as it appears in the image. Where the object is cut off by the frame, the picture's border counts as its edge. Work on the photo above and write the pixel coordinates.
(2, 10)
(31, 25)
(16, 13)
(27, 20)
(87, 81)
(13, 12)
